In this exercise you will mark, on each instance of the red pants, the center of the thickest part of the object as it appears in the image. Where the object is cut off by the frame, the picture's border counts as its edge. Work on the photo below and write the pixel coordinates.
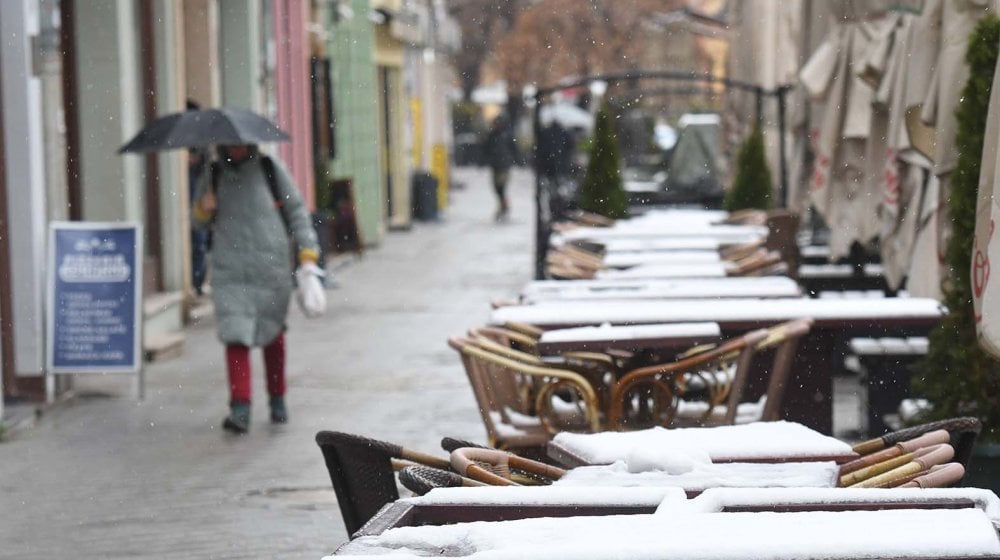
(238, 363)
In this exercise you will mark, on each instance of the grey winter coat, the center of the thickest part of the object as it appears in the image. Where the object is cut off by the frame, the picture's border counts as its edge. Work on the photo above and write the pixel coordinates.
(251, 259)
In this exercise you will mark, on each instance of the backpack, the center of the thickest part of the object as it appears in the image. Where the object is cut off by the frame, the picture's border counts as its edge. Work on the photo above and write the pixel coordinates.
(272, 183)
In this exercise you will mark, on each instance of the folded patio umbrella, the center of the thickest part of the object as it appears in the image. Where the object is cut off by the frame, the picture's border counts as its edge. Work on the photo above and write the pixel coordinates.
(985, 248)
(205, 127)
(957, 20)
(838, 189)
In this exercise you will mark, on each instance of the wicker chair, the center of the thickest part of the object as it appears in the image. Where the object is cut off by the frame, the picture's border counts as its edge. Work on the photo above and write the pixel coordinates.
(782, 236)
(963, 432)
(450, 444)
(649, 396)
(761, 262)
(718, 374)
(516, 419)
(499, 468)
(421, 480)
(904, 468)
(362, 473)
(783, 340)
(598, 368)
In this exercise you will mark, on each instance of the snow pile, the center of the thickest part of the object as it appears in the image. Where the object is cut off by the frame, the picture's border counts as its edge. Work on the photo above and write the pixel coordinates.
(758, 441)
(701, 476)
(716, 499)
(667, 460)
(550, 495)
(721, 310)
(916, 534)
(632, 332)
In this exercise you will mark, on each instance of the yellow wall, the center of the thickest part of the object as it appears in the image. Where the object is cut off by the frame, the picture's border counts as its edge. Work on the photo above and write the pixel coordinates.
(389, 5)
(388, 50)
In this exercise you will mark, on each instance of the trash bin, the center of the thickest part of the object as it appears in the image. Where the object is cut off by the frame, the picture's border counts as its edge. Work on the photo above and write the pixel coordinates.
(425, 206)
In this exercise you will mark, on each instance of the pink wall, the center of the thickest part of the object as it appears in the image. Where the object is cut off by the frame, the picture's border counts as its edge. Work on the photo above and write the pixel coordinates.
(292, 87)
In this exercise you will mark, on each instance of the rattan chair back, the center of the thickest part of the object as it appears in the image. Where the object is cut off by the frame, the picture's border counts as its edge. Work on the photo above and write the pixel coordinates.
(497, 468)
(362, 472)
(497, 379)
(963, 431)
(421, 479)
(784, 340)
(659, 388)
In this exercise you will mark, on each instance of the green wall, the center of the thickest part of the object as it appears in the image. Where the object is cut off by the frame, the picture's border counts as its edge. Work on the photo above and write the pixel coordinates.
(352, 50)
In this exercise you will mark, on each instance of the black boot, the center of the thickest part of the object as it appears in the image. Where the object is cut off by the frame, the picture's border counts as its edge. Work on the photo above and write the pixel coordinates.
(279, 412)
(238, 421)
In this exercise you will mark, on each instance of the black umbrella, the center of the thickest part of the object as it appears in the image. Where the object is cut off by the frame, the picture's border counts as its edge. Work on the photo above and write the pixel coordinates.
(226, 126)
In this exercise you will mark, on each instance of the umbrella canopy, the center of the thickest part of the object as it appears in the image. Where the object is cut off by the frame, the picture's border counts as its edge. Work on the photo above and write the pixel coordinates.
(191, 129)
(568, 115)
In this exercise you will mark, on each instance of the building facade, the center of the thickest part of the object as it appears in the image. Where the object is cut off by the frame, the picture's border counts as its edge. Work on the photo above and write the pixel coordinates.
(80, 78)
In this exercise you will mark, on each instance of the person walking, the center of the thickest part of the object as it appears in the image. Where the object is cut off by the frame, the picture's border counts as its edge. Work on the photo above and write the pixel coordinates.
(501, 155)
(253, 205)
(201, 234)
(555, 147)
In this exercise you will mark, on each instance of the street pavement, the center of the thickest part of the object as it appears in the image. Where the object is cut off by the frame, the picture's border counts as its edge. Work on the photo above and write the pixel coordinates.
(102, 475)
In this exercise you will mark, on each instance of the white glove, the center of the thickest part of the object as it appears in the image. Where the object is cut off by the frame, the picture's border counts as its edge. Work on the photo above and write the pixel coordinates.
(310, 294)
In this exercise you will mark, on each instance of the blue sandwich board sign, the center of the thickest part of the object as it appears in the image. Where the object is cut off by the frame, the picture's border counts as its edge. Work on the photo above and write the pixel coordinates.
(94, 298)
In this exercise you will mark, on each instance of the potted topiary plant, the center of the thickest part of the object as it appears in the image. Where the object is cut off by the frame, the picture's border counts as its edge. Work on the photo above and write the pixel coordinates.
(958, 377)
(752, 187)
(602, 191)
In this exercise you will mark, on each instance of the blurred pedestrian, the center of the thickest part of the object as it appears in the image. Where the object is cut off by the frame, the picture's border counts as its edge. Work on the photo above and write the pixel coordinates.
(201, 234)
(555, 147)
(253, 206)
(501, 155)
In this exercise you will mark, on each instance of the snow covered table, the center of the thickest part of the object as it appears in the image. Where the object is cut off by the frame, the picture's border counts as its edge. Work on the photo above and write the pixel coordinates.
(632, 338)
(756, 442)
(817, 278)
(729, 234)
(628, 259)
(887, 534)
(809, 397)
(655, 271)
(541, 291)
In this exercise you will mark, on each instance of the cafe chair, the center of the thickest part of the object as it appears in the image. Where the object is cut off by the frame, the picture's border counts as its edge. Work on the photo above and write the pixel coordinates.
(746, 217)
(362, 471)
(525, 337)
(510, 338)
(500, 468)
(649, 396)
(598, 368)
(450, 444)
(783, 341)
(515, 418)
(421, 480)
(739, 251)
(782, 236)
(903, 469)
(963, 432)
(524, 328)
(762, 262)
(660, 394)
(591, 219)
(572, 263)
(938, 476)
